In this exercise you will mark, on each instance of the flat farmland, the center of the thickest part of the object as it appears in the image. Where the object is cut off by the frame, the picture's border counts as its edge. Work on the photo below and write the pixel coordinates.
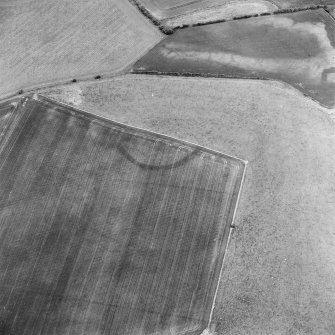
(45, 42)
(278, 275)
(108, 229)
(294, 48)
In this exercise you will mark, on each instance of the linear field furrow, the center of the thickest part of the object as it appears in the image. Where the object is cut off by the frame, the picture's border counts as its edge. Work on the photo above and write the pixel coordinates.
(108, 229)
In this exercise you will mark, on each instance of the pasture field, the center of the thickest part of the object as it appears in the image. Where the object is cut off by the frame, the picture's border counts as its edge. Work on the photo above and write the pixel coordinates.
(45, 42)
(108, 229)
(278, 274)
(294, 48)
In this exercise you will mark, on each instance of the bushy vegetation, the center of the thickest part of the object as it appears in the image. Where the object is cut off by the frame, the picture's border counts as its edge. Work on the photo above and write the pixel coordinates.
(164, 29)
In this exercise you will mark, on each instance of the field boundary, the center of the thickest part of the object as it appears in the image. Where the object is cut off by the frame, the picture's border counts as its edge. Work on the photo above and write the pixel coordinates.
(168, 30)
(185, 75)
(220, 180)
(128, 34)
(156, 22)
(330, 13)
(243, 17)
(90, 115)
(194, 74)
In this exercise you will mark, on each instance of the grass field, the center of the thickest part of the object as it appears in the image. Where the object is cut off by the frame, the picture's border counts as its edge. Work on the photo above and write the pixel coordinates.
(107, 229)
(294, 48)
(279, 275)
(44, 42)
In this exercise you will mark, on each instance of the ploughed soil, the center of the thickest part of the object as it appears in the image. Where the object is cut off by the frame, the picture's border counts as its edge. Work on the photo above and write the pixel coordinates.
(108, 229)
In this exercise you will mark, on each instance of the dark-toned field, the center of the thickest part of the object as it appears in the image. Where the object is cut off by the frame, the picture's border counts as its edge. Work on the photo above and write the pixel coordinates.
(47, 42)
(107, 229)
(294, 48)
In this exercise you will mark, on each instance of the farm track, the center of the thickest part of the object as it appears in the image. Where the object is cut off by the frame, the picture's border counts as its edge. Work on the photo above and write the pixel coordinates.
(106, 228)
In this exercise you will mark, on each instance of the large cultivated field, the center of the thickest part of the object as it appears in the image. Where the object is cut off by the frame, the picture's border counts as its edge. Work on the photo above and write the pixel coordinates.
(44, 42)
(134, 226)
(279, 273)
(294, 48)
(107, 229)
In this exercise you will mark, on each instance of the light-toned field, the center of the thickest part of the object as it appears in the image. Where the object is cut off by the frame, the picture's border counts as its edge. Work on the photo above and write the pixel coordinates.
(178, 13)
(279, 273)
(226, 11)
(102, 224)
(162, 9)
(43, 42)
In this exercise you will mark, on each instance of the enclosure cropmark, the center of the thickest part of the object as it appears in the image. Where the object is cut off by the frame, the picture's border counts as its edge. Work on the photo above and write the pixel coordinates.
(108, 229)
